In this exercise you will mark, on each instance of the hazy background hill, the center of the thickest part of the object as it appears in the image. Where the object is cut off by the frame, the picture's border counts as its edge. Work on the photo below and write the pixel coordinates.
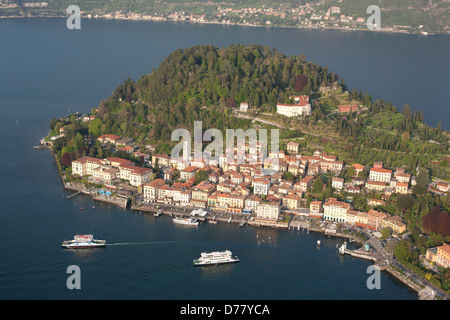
(408, 15)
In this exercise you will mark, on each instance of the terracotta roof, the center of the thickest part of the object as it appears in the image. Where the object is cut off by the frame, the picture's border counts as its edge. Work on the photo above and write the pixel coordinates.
(358, 166)
(155, 183)
(445, 247)
(109, 136)
(303, 99)
(89, 159)
(336, 203)
(190, 169)
(381, 170)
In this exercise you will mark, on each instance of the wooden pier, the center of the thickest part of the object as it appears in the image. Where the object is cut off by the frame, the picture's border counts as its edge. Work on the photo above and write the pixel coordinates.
(73, 195)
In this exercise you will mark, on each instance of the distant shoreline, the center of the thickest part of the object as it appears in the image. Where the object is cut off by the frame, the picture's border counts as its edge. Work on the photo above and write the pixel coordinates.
(382, 30)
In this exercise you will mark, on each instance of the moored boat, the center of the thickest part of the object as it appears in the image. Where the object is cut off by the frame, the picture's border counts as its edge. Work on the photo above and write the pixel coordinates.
(83, 242)
(186, 221)
(215, 257)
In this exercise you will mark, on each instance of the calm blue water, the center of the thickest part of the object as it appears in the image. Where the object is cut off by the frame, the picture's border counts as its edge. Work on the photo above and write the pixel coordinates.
(46, 69)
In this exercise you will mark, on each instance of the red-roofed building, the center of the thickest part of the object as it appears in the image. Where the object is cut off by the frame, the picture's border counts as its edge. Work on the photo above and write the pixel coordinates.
(440, 255)
(261, 186)
(374, 219)
(358, 168)
(111, 138)
(116, 162)
(150, 190)
(348, 108)
(315, 209)
(188, 172)
(84, 165)
(305, 183)
(401, 188)
(126, 149)
(380, 175)
(335, 210)
(291, 201)
(302, 100)
(135, 175)
(442, 187)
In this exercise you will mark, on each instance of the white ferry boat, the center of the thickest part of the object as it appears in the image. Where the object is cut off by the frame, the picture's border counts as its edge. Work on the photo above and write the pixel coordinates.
(216, 257)
(186, 221)
(83, 241)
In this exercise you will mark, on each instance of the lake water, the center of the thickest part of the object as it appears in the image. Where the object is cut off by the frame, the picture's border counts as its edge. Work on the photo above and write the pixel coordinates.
(47, 70)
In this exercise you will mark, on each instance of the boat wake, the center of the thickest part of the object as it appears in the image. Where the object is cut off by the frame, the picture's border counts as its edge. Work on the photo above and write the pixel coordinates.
(139, 243)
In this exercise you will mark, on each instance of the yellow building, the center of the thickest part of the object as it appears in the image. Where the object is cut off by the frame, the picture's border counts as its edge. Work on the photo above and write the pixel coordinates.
(440, 255)
(291, 201)
(294, 169)
(401, 188)
(201, 192)
(293, 147)
(394, 223)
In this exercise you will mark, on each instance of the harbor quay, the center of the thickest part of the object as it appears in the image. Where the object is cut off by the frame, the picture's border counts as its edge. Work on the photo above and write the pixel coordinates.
(185, 211)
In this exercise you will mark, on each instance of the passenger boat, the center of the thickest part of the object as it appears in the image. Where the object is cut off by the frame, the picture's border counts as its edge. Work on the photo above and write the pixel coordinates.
(83, 242)
(186, 221)
(216, 257)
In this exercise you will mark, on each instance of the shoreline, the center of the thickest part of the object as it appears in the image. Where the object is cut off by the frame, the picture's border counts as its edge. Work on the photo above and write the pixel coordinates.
(173, 209)
(176, 211)
(342, 29)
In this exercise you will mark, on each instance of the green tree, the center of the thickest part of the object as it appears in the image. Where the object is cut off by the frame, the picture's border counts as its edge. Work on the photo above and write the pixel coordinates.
(419, 189)
(201, 175)
(405, 201)
(288, 176)
(402, 251)
(423, 177)
(94, 127)
(350, 173)
(405, 136)
(386, 233)
(318, 185)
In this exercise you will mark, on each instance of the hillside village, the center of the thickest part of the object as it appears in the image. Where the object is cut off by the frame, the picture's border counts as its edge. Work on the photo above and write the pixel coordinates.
(245, 191)
(223, 187)
(314, 189)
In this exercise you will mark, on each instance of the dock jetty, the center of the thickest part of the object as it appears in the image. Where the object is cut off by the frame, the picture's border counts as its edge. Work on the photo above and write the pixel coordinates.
(73, 195)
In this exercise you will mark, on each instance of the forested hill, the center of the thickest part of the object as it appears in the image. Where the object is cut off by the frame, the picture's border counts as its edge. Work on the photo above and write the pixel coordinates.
(206, 75)
(206, 83)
